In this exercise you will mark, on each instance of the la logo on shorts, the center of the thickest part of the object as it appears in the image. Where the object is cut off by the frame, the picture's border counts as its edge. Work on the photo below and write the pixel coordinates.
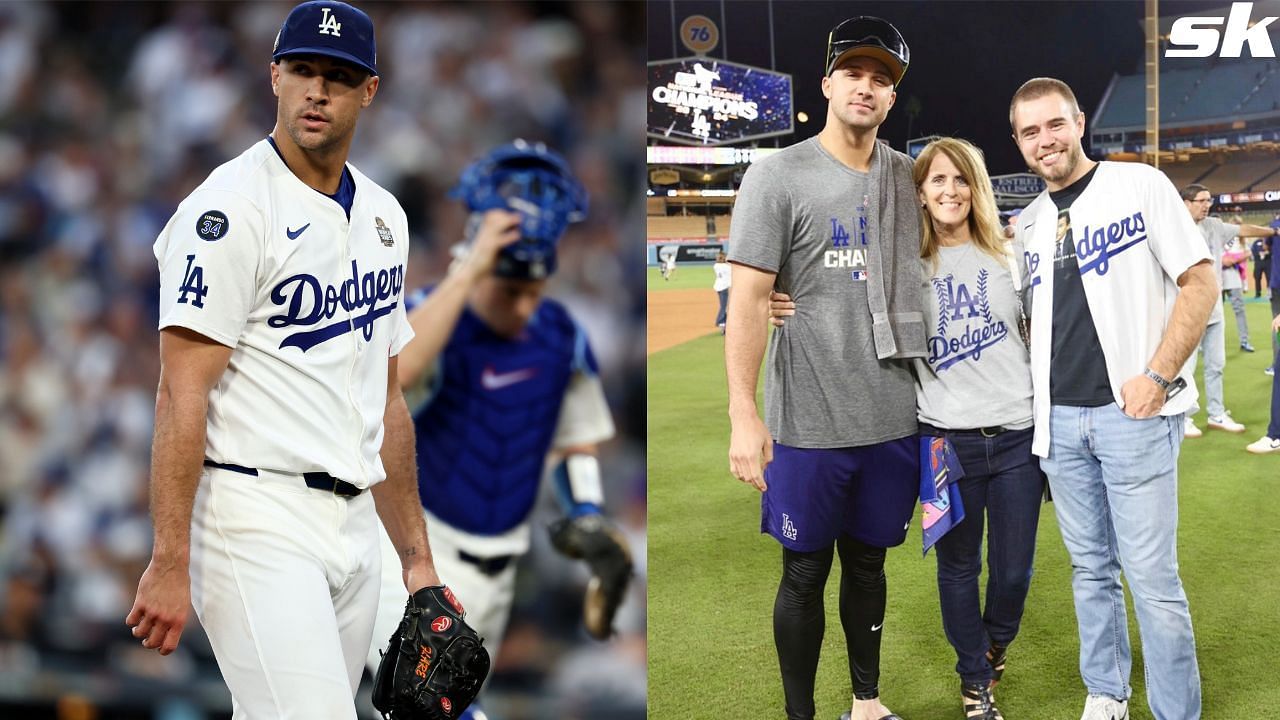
(788, 528)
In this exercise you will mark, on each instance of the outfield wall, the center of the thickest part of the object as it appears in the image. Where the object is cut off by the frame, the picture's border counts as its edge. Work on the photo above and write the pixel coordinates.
(688, 250)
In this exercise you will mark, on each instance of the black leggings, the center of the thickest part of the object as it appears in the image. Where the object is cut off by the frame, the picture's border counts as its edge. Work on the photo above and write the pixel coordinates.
(799, 619)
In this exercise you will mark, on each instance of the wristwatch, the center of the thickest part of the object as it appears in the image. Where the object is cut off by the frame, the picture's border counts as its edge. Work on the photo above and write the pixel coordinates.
(1170, 387)
(1158, 379)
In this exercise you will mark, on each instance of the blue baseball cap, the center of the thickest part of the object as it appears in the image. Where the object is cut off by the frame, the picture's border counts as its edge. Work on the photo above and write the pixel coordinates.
(330, 28)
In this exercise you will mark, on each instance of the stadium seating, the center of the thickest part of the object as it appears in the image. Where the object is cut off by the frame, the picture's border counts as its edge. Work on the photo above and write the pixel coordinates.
(677, 226)
(722, 225)
(1194, 94)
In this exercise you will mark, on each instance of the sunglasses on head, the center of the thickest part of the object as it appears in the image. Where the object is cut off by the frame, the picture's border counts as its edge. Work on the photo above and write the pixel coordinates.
(866, 32)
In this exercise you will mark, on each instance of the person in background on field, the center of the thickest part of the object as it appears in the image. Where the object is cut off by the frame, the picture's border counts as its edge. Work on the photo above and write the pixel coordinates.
(1270, 443)
(721, 285)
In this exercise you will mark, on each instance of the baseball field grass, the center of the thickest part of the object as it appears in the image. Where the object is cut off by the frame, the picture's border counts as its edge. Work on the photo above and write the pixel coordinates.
(713, 576)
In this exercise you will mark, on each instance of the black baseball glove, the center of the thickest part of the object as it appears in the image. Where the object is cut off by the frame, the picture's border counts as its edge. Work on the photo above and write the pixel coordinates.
(593, 539)
(435, 663)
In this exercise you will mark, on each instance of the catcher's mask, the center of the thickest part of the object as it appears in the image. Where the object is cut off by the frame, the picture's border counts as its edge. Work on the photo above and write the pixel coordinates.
(870, 36)
(534, 181)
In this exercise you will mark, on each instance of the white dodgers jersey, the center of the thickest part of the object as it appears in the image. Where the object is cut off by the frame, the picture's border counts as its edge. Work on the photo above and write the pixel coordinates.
(311, 302)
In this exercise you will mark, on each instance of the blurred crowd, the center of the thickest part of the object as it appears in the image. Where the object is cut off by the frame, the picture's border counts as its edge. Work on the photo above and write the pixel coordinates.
(110, 114)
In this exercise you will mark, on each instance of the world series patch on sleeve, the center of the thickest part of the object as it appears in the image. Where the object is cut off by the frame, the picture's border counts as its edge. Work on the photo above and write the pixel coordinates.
(435, 663)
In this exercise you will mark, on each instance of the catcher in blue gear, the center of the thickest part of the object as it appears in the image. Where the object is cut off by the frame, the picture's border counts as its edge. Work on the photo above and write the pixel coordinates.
(504, 389)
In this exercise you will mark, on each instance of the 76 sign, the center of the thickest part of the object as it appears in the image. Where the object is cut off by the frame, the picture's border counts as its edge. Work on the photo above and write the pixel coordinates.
(699, 34)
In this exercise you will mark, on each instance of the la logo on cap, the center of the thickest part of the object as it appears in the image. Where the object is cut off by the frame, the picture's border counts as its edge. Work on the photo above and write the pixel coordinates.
(329, 25)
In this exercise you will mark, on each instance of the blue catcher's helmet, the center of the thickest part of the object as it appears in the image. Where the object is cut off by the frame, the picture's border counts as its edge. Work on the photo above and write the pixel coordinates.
(534, 181)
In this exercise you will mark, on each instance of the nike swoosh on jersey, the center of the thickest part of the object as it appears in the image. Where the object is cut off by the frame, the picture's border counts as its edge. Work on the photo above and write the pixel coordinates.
(293, 234)
(491, 380)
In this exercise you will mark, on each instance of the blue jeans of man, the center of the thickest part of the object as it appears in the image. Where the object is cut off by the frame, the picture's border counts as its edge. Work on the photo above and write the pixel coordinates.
(1002, 485)
(1236, 297)
(1215, 359)
(724, 306)
(1115, 491)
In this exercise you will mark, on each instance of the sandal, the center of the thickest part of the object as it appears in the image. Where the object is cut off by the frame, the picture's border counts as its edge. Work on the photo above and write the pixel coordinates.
(978, 703)
(996, 659)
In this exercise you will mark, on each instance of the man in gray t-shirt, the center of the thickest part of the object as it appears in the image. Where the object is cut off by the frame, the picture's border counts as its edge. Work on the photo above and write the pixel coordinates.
(834, 222)
(1217, 234)
(803, 215)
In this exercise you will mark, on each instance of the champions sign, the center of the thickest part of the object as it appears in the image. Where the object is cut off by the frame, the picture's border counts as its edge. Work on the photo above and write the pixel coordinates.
(711, 102)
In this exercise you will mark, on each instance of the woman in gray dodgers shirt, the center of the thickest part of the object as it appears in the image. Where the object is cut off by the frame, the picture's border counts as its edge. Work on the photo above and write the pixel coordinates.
(974, 389)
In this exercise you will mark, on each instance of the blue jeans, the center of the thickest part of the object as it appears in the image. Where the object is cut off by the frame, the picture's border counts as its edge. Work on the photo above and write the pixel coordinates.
(1003, 486)
(1213, 345)
(1236, 297)
(1115, 491)
(724, 306)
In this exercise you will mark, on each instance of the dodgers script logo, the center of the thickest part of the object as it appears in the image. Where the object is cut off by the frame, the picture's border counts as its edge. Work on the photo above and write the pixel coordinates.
(977, 329)
(1033, 264)
(1096, 247)
(307, 303)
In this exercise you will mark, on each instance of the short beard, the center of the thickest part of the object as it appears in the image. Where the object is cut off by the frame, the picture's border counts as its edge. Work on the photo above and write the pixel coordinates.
(1074, 155)
(312, 142)
(850, 120)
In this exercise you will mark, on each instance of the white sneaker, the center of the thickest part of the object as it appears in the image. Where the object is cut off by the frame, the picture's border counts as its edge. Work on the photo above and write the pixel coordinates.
(1224, 422)
(1190, 430)
(1264, 446)
(1100, 707)
(1269, 371)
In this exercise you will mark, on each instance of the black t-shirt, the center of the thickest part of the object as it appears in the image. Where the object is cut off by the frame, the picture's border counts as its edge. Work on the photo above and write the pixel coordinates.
(1077, 368)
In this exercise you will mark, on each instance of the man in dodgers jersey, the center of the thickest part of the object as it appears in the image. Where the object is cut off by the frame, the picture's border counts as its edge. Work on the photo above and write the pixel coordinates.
(1122, 289)
(499, 377)
(278, 415)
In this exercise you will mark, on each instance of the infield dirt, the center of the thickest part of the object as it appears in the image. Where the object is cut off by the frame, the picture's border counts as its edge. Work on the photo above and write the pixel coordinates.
(678, 316)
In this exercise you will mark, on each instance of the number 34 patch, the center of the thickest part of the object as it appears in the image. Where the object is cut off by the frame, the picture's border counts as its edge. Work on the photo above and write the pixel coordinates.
(212, 225)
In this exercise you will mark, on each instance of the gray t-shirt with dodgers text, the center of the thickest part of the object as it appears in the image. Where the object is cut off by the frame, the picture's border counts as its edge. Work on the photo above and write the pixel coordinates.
(806, 216)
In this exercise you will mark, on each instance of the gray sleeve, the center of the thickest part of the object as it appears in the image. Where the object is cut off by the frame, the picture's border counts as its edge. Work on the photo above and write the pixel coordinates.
(761, 232)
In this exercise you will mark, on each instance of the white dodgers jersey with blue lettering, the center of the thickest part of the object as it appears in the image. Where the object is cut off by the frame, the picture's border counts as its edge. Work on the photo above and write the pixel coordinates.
(311, 302)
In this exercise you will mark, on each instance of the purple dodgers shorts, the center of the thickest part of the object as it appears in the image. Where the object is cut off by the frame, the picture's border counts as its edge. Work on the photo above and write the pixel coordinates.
(816, 495)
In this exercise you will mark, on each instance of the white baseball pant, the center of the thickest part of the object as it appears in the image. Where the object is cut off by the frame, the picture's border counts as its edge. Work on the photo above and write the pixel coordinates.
(284, 579)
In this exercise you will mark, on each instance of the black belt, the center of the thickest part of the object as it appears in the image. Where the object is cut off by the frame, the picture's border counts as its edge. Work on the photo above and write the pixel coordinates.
(317, 480)
(488, 566)
(988, 432)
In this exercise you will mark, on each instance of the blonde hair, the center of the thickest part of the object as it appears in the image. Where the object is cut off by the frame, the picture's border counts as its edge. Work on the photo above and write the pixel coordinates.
(984, 215)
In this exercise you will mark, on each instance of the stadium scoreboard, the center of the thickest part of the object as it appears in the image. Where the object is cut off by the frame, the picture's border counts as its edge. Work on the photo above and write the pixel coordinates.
(707, 101)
